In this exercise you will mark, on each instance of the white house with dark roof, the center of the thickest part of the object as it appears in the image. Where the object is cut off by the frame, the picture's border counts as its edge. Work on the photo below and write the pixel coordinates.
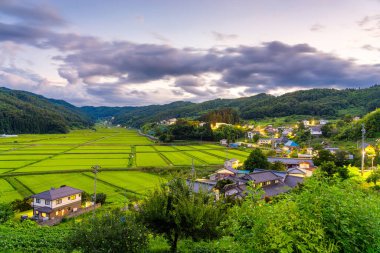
(56, 202)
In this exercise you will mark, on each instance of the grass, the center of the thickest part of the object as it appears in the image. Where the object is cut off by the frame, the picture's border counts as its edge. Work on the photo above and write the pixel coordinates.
(38, 162)
(7, 192)
(149, 160)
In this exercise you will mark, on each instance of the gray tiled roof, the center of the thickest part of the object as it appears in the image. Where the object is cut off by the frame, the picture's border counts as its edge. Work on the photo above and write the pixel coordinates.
(293, 181)
(290, 160)
(262, 176)
(281, 174)
(273, 190)
(58, 193)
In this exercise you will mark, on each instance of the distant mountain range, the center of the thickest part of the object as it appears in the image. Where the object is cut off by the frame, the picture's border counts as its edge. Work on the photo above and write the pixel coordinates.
(25, 112)
(315, 102)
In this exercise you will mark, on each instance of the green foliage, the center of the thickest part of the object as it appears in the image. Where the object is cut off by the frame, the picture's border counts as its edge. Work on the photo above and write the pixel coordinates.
(323, 156)
(175, 211)
(21, 205)
(221, 183)
(321, 217)
(225, 115)
(371, 123)
(256, 160)
(278, 165)
(24, 112)
(30, 237)
(101, 198)
(181, 130)
(6, 212)
(230, 133)
(374, 177)
(109, 232)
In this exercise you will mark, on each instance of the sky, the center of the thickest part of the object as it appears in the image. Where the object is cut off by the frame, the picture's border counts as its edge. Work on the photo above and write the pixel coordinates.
(140, 52)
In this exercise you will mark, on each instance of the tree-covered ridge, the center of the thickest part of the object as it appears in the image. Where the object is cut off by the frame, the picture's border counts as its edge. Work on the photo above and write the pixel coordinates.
(314, 102)
(225, 115)
(25, 112)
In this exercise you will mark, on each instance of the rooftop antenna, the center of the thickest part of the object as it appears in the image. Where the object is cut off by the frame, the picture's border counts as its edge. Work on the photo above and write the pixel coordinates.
(363, 151)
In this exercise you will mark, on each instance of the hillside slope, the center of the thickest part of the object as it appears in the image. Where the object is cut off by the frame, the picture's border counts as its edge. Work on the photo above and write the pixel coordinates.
(25, 112)
(314, 102)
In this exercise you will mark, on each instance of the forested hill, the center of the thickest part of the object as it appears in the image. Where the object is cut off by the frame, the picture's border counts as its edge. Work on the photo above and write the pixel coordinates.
(25, 112)
(315, 102)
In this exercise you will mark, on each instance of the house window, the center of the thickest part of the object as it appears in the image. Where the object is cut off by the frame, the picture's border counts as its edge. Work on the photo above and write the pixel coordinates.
(72, 197)
(58, 201)
(38, 200)
(47, 202)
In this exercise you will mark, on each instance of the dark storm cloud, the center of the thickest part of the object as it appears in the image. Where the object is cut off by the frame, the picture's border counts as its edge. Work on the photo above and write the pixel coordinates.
(260, 68)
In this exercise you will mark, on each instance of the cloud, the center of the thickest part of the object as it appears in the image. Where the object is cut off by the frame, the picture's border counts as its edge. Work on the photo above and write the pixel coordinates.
(370, 48)
(31, 14)
(317, 28)
(370, 24)
(160, 37)
(223, 36)
(122, 72)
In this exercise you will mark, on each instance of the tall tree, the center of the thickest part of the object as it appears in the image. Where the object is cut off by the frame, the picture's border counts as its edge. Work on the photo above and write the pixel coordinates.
(175, 211)
(256, 160)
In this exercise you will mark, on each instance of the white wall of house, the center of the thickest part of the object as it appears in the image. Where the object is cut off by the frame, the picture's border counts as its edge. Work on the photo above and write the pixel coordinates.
(66, 200)
(55, 203)
(42, 202)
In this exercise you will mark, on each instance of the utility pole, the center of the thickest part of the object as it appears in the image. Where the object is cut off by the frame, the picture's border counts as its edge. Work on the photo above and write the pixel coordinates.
(95, 170)
(193, 169)
(363, 152)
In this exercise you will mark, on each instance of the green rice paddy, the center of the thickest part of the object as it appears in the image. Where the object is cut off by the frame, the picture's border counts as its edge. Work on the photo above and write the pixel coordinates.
(35, 163)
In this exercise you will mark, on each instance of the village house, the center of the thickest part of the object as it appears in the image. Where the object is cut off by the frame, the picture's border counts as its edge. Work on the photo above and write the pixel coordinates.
(264, 141)
(271, 182)
(232, 163)
(332, 150)
(8, 136)
(316, 131)
(323, 121)
(56, 202)
(223, 142)
(292, 163)
(290, 145)
(270, 130)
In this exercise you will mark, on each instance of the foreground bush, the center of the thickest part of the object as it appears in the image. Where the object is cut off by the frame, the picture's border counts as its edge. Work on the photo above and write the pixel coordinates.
(30, 237)
(322, 217)
(109, 232)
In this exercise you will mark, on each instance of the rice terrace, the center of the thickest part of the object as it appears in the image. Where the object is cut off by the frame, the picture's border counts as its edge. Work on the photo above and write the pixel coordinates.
(33, 163)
